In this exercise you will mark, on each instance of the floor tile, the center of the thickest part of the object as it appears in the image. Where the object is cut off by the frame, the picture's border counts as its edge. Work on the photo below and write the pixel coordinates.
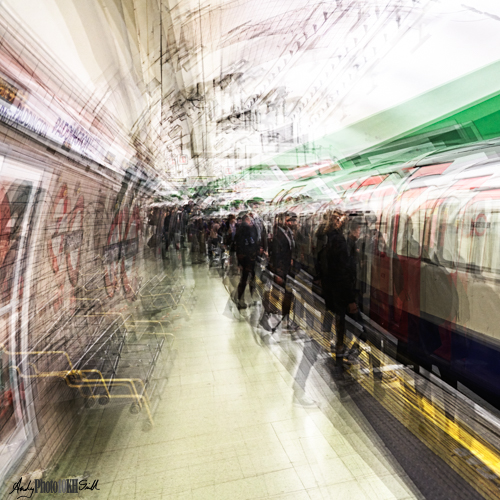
(225, 426)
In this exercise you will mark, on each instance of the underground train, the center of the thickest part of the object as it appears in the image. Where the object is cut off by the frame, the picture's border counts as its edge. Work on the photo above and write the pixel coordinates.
(429, 257)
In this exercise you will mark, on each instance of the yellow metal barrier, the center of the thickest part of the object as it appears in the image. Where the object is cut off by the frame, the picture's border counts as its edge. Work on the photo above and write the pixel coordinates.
(84, 382)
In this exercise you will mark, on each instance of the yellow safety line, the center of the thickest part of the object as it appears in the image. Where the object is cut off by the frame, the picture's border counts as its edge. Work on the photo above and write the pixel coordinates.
(487, 455)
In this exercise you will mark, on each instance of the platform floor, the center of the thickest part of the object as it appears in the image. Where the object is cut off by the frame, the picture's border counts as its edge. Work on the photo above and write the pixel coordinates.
(226, 426)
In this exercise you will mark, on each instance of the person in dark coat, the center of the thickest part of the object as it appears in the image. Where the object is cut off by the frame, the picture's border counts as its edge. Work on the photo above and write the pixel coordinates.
(166, 233)
(246, 240)
(283, 245)
(337, 267)
(353, 255)
(338, 261)
(262, 234)
(230, 234)
(339, 278)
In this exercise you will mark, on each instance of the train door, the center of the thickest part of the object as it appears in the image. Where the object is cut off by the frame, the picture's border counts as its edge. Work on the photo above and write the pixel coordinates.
(478, 354)
(438, 282)
(18, 213)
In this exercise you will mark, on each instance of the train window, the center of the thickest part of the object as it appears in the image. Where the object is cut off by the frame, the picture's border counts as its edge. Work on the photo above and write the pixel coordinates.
(401, 247)
(385, 228)
(410, 231)
(410, 227)
(479, 239)
(491, 245)
(465, 245)
(428, 238)
(477, 249)
(446, 238)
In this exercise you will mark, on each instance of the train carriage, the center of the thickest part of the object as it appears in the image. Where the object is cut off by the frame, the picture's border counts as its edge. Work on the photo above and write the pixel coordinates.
(441, 292)
(429, 272)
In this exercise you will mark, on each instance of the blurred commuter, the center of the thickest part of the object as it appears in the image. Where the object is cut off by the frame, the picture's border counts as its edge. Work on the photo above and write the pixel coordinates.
(337, 278)
(165, 237)
(283, 244)
(319, 247)
(311, 352)
(213, 240)
(230, 235)
(353, 250)
(281, 258)
(312, 348)
(176, 227)
(229, 240)
(196, 241)
(246, 251)
(202, 234)
(166, 227)
(370, 243)
(184, 222)
(354, 258)
(262, 234)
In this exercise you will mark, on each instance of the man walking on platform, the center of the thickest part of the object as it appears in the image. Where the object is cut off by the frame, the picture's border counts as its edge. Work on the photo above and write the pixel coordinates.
(246, 252)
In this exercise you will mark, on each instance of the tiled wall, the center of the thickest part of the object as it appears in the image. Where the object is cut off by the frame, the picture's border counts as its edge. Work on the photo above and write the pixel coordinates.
(70, 238)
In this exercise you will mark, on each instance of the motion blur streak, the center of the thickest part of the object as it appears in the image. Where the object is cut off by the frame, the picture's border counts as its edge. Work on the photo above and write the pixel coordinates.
(339, 157)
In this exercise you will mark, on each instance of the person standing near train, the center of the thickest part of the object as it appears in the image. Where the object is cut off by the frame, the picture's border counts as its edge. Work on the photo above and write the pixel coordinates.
(281, 256)
(282, 248)
(337, 265)
(246, 252)
(354, 261)
(262, 233)
(339, 277)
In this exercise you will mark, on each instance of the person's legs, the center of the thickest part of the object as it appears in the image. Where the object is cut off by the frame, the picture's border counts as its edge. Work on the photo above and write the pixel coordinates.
(164, 247)
(309, 356)
(245, 271)
(340, 331)
(213, 247)
(311, 351)
(326, 326)
(252, 276)
(287, 303)
(359, 332)
(288, 300)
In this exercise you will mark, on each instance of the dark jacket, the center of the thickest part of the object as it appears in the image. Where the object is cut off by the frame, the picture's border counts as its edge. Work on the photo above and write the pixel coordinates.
(353, 261)
(230, 237)
(339, 278)
(262, 232)
(246, 240)
(281, 255)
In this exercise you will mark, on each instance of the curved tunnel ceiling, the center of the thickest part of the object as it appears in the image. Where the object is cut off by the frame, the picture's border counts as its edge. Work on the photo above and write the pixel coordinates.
(210, 88)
